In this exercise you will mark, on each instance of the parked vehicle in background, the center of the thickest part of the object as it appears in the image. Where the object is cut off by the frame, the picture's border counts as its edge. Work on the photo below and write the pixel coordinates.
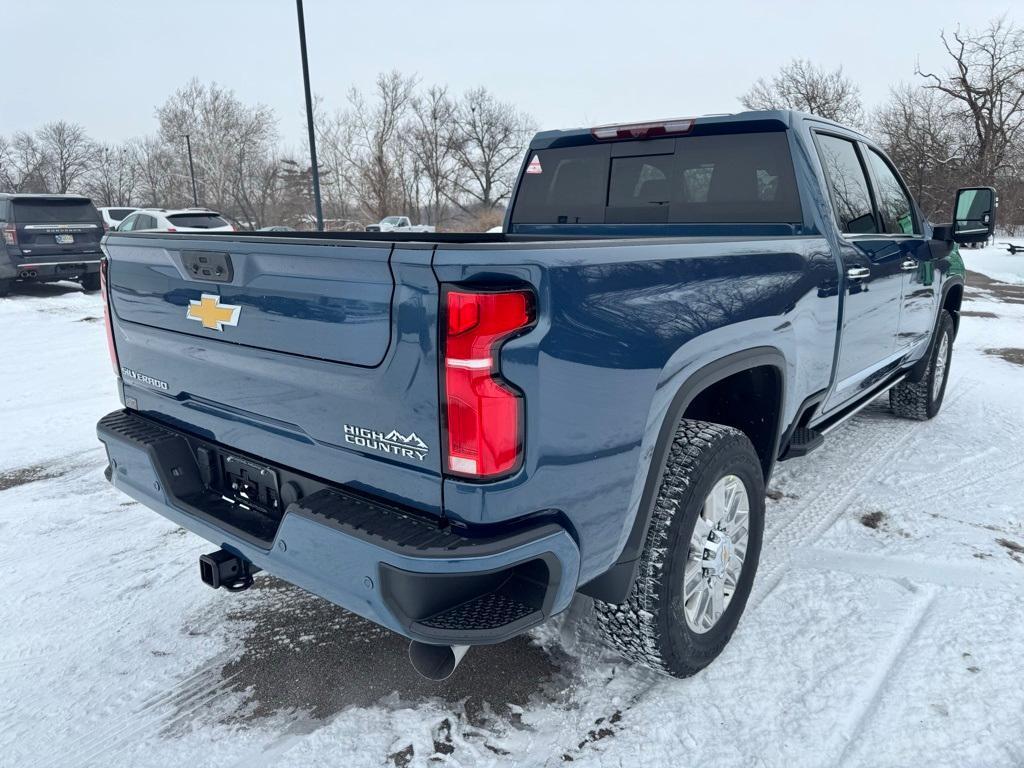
(452, 434)
(183, 220)
(48, 238)
(398, 224)
(276, 228)
(113, 216)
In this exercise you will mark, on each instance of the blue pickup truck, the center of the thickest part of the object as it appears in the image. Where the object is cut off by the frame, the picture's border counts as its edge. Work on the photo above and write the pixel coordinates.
(452, 434)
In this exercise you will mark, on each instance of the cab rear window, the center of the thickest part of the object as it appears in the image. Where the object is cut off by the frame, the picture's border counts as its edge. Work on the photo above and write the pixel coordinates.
(55, 212)
(713, 179)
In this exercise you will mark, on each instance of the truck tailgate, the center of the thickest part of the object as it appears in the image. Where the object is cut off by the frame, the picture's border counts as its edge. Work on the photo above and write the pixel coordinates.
(331, 303)
(290, 351)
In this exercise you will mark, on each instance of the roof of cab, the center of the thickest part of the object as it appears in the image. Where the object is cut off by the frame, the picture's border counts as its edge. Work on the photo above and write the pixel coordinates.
(786, 117)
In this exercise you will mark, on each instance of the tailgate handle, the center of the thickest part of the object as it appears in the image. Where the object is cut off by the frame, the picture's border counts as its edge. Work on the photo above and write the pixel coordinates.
(208, 265)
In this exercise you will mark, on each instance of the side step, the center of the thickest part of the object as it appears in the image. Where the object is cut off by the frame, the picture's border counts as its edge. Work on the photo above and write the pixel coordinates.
(803, 441)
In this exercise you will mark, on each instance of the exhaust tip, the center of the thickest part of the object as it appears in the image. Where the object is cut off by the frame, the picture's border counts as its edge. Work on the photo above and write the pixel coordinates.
(435, 662)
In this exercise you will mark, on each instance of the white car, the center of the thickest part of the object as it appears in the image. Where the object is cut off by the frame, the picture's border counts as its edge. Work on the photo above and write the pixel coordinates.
(114, 215)
(398, 224)
(182, 220)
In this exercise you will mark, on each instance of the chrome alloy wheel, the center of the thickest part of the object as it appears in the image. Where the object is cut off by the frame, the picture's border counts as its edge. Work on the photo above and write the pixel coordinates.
(940, 366)
(718, 547)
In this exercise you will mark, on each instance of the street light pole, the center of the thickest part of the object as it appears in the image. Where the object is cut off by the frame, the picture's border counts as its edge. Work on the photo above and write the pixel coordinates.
(192, 171)
(309, 119)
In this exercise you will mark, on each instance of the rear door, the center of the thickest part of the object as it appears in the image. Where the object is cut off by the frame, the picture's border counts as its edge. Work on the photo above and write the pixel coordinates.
(872, 278)
(56, 228)
(319, 355)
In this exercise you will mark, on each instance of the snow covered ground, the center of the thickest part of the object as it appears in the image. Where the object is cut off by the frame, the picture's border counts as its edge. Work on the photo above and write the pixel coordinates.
(886, 629)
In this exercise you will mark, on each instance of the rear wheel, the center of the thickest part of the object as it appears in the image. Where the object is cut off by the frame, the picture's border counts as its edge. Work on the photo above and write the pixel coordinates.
(91, 282)
(5, 287)
(700, 556)
(922, 399)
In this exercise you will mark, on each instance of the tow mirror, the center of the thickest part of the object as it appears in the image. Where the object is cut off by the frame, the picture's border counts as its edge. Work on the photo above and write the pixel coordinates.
(974, 215)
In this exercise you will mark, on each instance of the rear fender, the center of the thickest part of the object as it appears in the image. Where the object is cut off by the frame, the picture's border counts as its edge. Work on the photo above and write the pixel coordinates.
(613, 585)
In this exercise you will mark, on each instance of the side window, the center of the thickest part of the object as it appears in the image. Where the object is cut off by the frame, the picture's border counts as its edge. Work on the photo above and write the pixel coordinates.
(893, 201)
(145, 222)
(128, 224)
(848, 185)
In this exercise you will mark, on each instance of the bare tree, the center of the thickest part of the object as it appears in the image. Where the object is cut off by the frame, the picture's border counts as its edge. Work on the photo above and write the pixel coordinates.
(986, 78)
(226, 135)
(490, 139)
(68, 154)
(919, 130)
(377, 149)
(432, 142)
(155, 170)
(113, 178)
(335, 150)
(22, 164)
(804, 86)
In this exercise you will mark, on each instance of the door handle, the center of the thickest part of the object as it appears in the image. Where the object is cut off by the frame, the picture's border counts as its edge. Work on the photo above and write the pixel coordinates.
(858, 273)
(909, 265)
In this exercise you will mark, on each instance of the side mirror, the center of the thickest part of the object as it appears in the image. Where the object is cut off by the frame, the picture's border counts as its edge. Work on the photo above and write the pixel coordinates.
(974, 214)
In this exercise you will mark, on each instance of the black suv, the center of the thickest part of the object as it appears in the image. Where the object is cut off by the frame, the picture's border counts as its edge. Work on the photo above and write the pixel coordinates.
(49, 237)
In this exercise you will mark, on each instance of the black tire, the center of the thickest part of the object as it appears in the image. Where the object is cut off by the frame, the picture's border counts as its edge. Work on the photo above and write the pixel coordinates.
(922, 400)
(650, 628)
(5, 287)
(90, 282)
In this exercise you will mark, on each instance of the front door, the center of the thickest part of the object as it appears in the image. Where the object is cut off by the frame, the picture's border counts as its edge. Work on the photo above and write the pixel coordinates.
(917, 256)
(872, 273)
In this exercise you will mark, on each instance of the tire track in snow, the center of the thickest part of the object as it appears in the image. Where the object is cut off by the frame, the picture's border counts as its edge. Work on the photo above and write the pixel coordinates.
(812, 519)
(860, 711)
(158, 711)
(904, 569)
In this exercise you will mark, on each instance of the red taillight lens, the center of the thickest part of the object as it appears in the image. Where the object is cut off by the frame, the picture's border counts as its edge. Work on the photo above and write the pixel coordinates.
(111, 348)
(10, 235)
(484, 413)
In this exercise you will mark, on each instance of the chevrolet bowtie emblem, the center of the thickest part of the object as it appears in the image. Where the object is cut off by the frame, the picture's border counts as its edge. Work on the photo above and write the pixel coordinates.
(211, 313)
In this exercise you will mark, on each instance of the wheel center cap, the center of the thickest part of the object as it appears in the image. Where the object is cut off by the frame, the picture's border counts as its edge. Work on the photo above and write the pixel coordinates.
(719, 551)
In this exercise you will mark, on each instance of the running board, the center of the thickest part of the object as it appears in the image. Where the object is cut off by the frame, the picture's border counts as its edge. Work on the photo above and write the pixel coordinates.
(807, 439)
(834, 421)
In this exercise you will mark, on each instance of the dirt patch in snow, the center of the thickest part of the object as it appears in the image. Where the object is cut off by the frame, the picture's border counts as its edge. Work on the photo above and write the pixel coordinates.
(877, 520)
(1013, 355)
(15, 477)
(872, 520)
(986, 315)
(1005, 292)
(304, 653)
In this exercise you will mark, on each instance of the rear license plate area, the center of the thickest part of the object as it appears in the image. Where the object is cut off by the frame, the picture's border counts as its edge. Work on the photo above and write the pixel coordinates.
(240, 480)
(64, 239)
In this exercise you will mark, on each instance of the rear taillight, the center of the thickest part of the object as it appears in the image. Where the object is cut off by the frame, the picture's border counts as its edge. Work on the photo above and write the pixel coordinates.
(10, 235)
(484, 413)
(111, 348)
(172, 229)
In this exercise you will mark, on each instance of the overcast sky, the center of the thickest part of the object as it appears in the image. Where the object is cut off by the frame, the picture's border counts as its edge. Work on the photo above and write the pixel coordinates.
(569, 63)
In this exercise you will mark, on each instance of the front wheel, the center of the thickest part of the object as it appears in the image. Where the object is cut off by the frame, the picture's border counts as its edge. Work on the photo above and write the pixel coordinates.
(922, 399)
(700, 556)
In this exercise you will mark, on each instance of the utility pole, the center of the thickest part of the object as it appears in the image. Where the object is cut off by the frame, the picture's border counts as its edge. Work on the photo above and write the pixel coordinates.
(192, 171)
(309, 119)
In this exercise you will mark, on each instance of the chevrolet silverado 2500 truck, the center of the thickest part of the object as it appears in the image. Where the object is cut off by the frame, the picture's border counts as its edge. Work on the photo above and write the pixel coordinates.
(450, 435)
